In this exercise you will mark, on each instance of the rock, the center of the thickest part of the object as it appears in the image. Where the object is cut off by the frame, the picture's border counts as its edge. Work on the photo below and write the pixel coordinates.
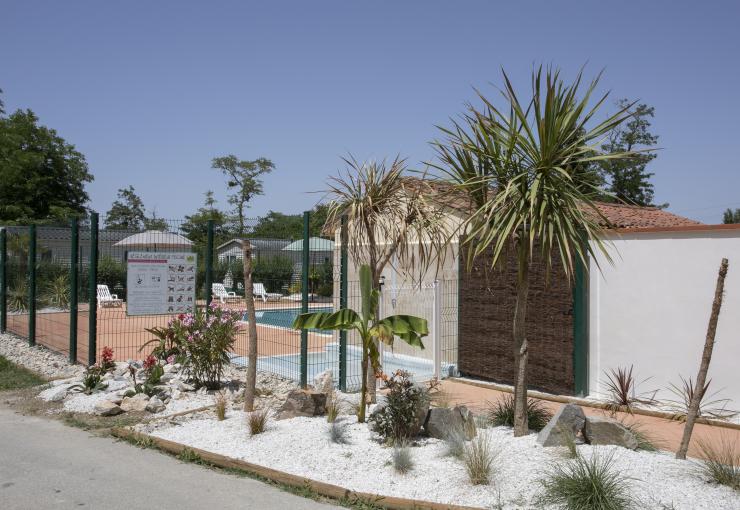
(324, 382)
(183, 386)
(136, 403)
(444, 422)
(568, 421)
(107, 408)
(169, 368)
(167, 378)
(602, 431)
(302, 403)
(56, 393)
(155, 405)
(116, 399)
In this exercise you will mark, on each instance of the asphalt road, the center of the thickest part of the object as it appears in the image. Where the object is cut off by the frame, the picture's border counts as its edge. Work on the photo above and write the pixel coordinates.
(47, 465)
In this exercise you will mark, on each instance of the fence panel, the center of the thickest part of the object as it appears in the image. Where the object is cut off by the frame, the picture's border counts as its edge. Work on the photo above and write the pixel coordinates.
(16, 271)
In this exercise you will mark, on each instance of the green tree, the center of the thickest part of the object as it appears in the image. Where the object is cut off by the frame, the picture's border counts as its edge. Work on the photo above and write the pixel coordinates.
(153, 222)
(731, 216)
(627, 178)
(42, 177)
(127, 211)
(518, 166)
(244, 178)
(290, 226)
(195, 226)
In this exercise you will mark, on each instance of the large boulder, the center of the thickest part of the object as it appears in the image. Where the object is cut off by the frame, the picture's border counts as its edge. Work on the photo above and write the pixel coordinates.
(566, 425)
(55, 393)
(602, 431)
(136, 403)
(302, 403)
(107, 408)
(445, 422)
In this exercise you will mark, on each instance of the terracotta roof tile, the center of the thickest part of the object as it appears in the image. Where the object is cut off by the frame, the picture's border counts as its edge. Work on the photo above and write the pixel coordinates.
(619, 215)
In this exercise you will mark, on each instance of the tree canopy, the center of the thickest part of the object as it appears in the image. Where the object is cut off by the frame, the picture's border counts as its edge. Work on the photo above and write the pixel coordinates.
(731, 216)
(290, 226)
(242, 177)
(42, 177)
(127, 212)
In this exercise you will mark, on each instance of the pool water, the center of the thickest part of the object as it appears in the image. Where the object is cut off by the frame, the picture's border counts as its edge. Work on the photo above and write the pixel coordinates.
(284, 317)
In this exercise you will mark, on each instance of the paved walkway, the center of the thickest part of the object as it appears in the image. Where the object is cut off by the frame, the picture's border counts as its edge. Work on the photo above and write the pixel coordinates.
(45, 464)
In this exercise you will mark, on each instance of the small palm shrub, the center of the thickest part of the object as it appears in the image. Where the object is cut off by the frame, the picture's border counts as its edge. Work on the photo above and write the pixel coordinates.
(338, 433)
(56, 293)
(403, 460)
(478, 457)
(587, 484)
(501, 413)
(709, 405)
(257, 421)
(91, 381)
(720, 461)
(18, 297)
(399, 420)
(220, 405)
(621, 388)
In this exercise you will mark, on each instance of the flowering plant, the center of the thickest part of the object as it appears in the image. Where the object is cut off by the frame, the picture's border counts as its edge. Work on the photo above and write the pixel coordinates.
(106, 359)
(201, 341)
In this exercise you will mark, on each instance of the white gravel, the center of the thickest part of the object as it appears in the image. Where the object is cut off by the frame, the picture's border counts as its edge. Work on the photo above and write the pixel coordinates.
(41, 360)
(301, 446)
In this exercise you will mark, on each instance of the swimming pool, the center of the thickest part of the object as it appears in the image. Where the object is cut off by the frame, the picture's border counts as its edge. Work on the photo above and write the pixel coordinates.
(284, 317)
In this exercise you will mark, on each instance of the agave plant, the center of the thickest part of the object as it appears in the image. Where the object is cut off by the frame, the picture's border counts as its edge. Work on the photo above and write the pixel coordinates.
(57, 292)
(408, 328)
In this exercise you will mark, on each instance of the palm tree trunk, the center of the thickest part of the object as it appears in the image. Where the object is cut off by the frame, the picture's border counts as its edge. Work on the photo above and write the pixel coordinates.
(251, 382)
(706, 357)
(521, 348)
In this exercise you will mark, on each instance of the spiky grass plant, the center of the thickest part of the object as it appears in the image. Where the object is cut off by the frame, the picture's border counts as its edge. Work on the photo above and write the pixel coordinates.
(338, 432)
(333, 407)
(220, 401)
(645, 441)
(478, 458)
(720, 461)
(571, 448)
(455, 444)
(709, 406)
(18, 297)
(403, 460)
(621, 388)
(591, 483)
(501, 413)
(57, 293)
(257, 421)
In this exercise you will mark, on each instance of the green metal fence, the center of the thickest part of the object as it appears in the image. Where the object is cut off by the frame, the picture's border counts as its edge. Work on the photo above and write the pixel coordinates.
(51, 278)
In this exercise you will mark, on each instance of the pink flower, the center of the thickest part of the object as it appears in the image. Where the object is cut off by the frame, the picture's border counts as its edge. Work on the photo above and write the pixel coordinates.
(171, 359)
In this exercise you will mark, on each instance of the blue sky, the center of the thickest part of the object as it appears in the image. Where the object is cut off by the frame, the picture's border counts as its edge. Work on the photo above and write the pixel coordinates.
(151, 91)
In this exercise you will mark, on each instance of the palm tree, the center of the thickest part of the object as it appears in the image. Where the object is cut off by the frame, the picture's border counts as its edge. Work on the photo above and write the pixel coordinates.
(523, 173)
(388, 220)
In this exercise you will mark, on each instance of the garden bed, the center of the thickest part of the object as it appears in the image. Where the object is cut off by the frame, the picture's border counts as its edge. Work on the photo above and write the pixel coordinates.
(301, 447)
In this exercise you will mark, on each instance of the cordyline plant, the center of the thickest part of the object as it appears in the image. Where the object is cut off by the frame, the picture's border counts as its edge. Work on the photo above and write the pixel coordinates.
(389, 221)
(524, 169)
(370, 329)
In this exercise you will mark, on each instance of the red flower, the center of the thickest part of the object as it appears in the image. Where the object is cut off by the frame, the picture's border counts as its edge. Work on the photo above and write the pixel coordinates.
(181, 316)
(149, 362)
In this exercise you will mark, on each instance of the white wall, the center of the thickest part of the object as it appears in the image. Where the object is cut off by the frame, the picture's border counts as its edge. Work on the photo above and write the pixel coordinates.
(652, 306)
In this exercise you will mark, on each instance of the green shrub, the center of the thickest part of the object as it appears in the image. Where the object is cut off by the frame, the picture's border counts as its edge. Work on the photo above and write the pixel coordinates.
(274, 272)
(587, 484)
(501, 413)
(113, 274)
(398, 420)
(18, 297)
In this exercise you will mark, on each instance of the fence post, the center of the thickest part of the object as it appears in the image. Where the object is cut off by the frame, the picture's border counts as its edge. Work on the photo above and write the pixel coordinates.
(343, 301)
(209, 264)
(580, 330)
(3, 280)
(73, 270)
(32, 285)
(304, 298)
(436, 333)
(92, 328)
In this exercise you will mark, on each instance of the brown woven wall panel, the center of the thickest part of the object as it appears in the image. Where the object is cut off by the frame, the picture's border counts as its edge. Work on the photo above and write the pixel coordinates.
(487, 303)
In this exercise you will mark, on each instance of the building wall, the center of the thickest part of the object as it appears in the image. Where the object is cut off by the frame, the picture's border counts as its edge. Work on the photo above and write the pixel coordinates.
(651, 308)
(487, 301)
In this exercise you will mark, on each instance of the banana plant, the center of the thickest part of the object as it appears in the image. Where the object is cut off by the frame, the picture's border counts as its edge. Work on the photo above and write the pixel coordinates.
(408, 328)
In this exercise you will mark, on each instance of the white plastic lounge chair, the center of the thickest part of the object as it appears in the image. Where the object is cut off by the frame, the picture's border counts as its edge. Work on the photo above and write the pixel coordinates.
(105, 298)
(219, 291)
(258, 289)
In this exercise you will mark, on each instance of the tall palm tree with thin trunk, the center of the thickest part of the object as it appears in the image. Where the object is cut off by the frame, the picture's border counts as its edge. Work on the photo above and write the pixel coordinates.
(521, 168)
(388, 220)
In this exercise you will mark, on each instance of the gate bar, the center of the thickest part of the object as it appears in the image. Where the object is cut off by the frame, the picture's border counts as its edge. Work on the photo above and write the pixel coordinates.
(92, 328)
(73, 272)
(304, 299)
(3, 281)
(32, 285)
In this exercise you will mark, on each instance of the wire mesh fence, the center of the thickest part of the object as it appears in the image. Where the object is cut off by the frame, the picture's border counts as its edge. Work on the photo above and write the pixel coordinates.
(90, 281)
